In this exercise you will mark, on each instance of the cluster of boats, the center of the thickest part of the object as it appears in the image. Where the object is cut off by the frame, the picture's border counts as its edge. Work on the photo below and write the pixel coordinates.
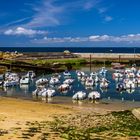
(46, 87)
(128, 78)
(10, 79)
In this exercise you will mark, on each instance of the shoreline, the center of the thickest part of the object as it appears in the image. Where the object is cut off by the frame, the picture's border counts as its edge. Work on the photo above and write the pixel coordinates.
(22, 119)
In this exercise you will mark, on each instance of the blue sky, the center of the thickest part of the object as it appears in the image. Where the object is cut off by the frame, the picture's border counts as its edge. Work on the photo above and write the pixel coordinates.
(69, 23)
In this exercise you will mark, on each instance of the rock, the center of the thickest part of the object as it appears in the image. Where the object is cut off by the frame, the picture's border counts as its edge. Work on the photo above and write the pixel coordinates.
(136, 113)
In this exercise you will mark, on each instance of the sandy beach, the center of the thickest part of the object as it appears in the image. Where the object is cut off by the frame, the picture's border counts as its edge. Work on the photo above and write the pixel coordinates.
(19, 118)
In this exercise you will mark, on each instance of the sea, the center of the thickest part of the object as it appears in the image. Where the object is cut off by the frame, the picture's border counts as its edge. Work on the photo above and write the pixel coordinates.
(73, 49)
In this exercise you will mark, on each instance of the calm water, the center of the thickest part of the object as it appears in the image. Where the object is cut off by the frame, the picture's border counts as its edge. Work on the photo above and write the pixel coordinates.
(25, 91)
(74, 49)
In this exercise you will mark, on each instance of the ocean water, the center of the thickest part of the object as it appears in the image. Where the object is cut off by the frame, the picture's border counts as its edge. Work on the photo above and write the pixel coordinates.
(74, 49)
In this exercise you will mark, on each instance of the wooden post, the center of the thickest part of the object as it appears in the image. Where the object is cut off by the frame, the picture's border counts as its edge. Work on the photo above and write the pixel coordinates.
(90, 62)
(119, 58)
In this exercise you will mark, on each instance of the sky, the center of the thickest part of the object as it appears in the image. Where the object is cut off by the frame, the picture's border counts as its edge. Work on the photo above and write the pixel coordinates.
(69, 23)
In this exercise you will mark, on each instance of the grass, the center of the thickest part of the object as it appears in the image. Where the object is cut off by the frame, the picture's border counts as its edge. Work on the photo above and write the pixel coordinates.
(122, 124)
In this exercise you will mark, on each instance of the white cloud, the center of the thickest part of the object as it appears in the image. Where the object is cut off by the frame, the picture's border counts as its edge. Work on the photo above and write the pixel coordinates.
(130, 38)
(24, 31)
(90, 4)
(46, 14)
(102, 10)
(108, 18)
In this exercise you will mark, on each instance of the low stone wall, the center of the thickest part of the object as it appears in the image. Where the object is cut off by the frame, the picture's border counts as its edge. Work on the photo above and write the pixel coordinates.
(109, 55)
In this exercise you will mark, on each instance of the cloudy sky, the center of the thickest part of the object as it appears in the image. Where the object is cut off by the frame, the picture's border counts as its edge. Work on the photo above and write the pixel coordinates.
(62, 23)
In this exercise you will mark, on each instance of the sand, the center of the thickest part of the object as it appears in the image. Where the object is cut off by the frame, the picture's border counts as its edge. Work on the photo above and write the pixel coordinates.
(15, 113)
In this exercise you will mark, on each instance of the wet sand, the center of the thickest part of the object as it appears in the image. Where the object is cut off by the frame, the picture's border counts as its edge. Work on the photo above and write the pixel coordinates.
(15, 113)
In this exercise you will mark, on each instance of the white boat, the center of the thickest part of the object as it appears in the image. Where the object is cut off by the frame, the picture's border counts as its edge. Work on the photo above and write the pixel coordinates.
(9, 83)
(120, 86)
(48, 93)
(130, 75)
(133, 69)
(103, 71)
(130, 84)
(31, 74)
(94, 95)
(68, 81)
(7, 73)
(83, 79)
(80, 95)
(104, 84)
(1, 76)
(12, 76)
(80, 73)
(128, 70)
(96, 79)
(42, 81)
(66, 74)
(117, 75)
(93, 74)
(63, 87)
(136, 80)
(89, 82)
(54, 81)
(39, 91)
(138, 74)
(24, 80)
(56, 75)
